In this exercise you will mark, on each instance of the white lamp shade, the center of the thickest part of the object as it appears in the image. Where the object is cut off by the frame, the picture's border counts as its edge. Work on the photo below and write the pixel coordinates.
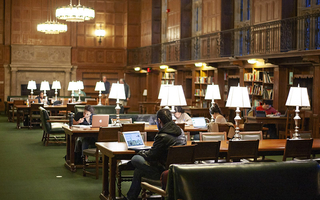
(80, 85)
(163, 90)
(72, 86)
(298, 96)
(32, 85)
(56, 85)
(174, 96)
(238, 97)
(100, 86)
(213, 92)
(117, 91)
(44, 85)
(145, 92)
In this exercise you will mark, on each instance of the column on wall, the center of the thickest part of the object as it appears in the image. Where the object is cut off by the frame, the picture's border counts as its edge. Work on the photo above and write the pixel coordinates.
(14, 81)
(315, 101)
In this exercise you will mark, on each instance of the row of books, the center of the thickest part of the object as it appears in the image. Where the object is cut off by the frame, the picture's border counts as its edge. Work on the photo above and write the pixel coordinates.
(255, 102)
(258, 76)
(168, 75)
(204, 79)
(256, 89)
(167, 81)
(199, 92)
(267, 94)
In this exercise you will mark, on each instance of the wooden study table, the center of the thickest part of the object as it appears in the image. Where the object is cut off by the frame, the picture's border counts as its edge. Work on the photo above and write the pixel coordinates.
(114, 151)
(73, 133)
(26, 109)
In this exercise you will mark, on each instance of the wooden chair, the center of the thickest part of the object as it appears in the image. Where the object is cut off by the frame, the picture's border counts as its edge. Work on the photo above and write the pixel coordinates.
(253, 126)
(132, 127)
(122, 121)
(106, 134)
(251, 135)
(182, 125)
(176, 155)
(34, 114)
(210, 136)
(290, 125)
(242, 149)
(303, 134)
(298, 148)
(206, 150)
(188, 136)
(224, 128)
(13, 110)
(91, 102)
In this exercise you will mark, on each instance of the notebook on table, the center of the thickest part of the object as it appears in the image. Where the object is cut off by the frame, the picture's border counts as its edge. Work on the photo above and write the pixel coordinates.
(100, 121)
(134, 141)
(199, 122)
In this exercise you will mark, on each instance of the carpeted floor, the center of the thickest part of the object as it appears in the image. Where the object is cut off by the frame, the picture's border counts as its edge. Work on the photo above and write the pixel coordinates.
(29, 170)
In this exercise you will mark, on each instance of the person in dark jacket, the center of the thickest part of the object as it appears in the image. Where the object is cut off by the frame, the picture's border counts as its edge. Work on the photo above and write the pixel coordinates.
(151, 163)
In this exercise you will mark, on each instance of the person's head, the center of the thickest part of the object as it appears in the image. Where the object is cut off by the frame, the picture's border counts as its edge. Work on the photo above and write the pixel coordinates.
(122, 81)
(163, 116)
(41, 94)
(88, 110)
(104, 78)
(266, 104)
(215, 109)
(178, 111)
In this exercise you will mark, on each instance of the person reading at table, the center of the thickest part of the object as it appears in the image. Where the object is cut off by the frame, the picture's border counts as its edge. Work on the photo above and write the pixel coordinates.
(181, 116)
(151, 163)
(83, 118)
(267, 107)
(216, 113)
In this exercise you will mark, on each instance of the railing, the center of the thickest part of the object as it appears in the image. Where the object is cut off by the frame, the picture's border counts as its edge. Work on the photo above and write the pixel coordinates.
(298, 33)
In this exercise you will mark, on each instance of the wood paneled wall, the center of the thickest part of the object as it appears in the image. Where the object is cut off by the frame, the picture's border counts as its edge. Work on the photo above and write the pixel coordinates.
(146, 23)
(211, 16)
(266, 10)
(133, 24)
(174, 15)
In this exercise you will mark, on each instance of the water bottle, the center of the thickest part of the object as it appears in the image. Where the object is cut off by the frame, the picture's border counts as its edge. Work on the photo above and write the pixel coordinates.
(70, 119)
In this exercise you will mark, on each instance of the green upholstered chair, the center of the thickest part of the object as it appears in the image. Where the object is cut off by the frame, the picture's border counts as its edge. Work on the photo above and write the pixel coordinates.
(52, 132)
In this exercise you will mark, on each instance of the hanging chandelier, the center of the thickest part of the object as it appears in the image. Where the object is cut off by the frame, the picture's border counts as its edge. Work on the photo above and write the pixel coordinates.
(73, 13)
(51, 27)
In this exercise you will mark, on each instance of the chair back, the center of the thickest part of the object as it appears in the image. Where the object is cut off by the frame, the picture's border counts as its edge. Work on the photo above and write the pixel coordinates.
(132, 127)
(242, 149)
(123, 121)
(180, 155)
(181, 125)
(143, 135)
(253, 126)
(210, 136)
(188, 136)
(108, 134)
(91, 102)
(18, 102)
(251, 135)
(298, 148)
(223, 127)
(303, 134)
(35, 107)
(207, 150)
(44, 116)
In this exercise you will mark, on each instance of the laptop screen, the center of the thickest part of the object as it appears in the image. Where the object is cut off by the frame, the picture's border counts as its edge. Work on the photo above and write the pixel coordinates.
(133, 138)
(199, 122)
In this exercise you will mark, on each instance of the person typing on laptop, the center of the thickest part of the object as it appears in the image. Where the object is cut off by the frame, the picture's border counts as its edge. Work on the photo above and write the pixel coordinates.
(151, 163)
(267, 107)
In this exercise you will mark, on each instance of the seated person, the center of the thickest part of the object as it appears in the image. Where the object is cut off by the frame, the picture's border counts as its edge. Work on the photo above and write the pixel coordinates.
(41, 98)
(267, 107)
(216, 113)
(151, 163)
(181, 116)
(83, 118)
(82, 93)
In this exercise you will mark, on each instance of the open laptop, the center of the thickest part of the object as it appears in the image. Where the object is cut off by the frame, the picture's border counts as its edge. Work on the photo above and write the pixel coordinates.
(134, 141)
(260, 113)
(100, 121)
(199, 122)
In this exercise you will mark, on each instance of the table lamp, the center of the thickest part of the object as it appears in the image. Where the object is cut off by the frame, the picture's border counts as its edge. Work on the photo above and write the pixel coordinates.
(173, 96)
(56, 85)
(45, 86)
(298, 96)
(117, 92)
(100, 87)
(212, 93)
(238, 98)
(80, 87)
(163, 92)
(32, 86)
(72, 86)
(145, 93)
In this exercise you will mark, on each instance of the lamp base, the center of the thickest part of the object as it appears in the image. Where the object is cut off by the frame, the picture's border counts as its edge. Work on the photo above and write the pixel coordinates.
(236, 136)
(117, 122)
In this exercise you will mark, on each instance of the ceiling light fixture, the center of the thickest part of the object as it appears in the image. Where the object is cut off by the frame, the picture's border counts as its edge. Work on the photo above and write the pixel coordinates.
(137, 69)
(199, 64)
(75, 13)
(163, 66)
